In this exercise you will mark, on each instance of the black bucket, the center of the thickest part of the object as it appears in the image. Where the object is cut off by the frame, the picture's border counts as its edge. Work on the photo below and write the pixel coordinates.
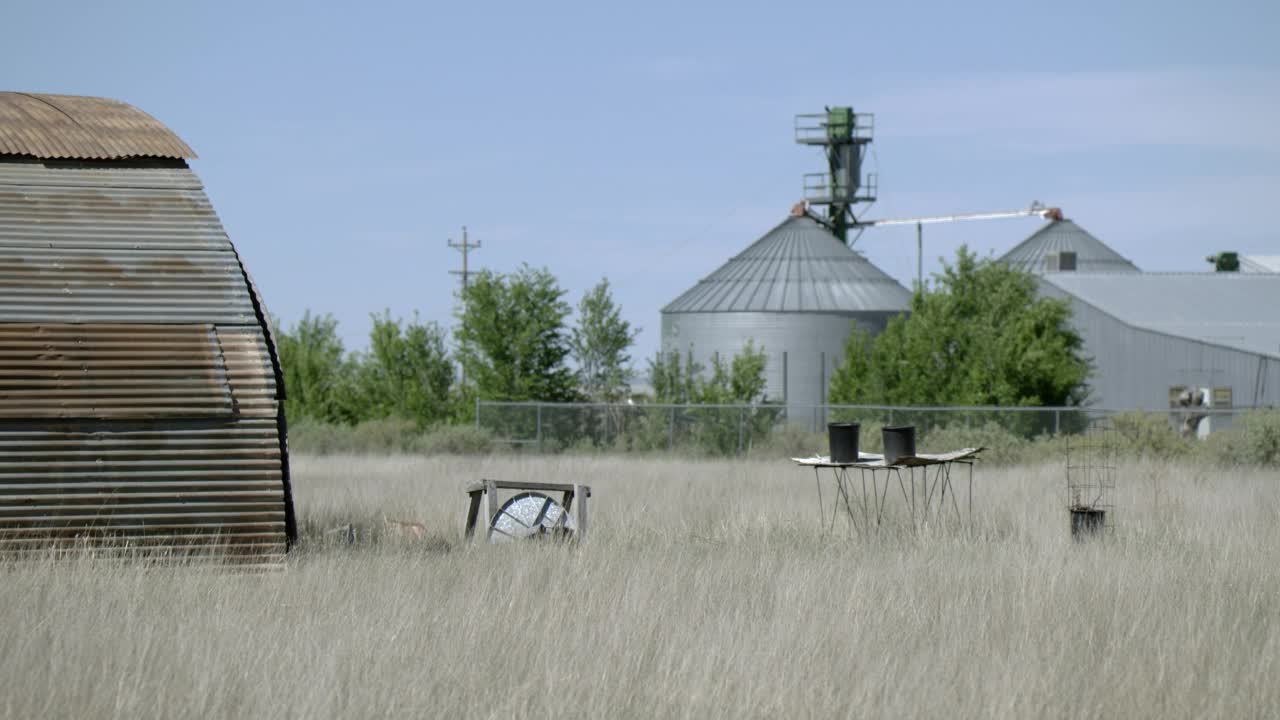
(843, 439)
(1087, 522)
(899, 442)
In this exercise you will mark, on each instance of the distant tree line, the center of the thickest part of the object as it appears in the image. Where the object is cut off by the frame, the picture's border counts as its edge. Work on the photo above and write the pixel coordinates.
(980, 335)
(513, 342)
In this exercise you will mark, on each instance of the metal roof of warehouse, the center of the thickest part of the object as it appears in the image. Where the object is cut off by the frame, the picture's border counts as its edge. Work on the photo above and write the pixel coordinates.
(797, 266)
(1092, 255)
(1260, 264)
(1236, 310)
(84, 128)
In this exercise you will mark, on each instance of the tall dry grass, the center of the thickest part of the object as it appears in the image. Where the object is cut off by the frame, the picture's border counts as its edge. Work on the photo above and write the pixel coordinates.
(707, 589)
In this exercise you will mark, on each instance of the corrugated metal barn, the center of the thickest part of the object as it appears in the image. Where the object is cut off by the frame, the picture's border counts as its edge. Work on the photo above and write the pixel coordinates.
(1152, 333)
(796, 292)
(141, 399)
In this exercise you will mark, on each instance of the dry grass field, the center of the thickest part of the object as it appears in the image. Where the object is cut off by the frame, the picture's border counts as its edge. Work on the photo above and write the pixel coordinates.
(707, 589)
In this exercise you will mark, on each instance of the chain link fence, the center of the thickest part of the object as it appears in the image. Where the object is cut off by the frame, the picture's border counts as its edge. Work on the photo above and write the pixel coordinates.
(737, 429)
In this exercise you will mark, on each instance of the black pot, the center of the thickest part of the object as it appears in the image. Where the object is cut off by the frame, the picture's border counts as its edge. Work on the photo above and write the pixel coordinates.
(899, 442)
(1087, 522)
(843, 439)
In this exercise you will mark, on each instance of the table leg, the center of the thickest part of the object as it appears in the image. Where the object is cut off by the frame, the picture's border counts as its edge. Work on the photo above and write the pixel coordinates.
(822, 513)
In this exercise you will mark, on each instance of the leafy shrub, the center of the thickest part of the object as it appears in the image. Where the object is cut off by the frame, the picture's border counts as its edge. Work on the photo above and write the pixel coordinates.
(1149, 434)
(1003, 446)
(387, 435)
(454, 440)
(384, 435)
(790, 440)
(1254, 439)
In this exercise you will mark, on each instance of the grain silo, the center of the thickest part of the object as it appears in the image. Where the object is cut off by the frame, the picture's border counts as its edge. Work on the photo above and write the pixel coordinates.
(142, 399)
(797, 293)
(1063, 246)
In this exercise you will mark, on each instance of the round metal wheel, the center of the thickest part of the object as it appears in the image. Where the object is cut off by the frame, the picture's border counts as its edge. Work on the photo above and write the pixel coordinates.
(530, 514)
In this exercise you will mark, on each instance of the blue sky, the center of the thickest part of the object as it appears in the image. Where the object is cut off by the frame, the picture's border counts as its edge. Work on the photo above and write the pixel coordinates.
(650, 141)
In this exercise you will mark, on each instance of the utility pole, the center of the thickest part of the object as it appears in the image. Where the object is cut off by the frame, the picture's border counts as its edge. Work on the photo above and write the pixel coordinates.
(920, 257)
(465, 247)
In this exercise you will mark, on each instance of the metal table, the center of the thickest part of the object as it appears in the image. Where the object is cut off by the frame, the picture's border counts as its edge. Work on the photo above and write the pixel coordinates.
(924, 481)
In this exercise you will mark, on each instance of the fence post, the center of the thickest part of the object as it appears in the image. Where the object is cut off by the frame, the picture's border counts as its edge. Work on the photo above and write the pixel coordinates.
(671, 430)
(1057, 422)
(742, 420)
(477, 412)
(539, 436)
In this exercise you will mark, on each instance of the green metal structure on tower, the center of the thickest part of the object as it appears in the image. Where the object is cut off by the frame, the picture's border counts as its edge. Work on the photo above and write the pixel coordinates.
(843, 136)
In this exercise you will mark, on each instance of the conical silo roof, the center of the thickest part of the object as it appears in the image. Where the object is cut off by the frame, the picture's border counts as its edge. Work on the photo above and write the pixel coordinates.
(1092, 255)
(798, 266)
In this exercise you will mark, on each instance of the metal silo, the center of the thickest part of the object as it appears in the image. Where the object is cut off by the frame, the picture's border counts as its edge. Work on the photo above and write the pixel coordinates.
(1063, 246)
(796, 292)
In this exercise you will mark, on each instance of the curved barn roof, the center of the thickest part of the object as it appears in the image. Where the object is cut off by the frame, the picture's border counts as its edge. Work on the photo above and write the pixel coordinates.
(83, 128)
(1092, 255)
(797, 266)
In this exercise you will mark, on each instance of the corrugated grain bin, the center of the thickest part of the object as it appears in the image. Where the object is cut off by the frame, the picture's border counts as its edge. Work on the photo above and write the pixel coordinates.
(796, 293)
(140, 391)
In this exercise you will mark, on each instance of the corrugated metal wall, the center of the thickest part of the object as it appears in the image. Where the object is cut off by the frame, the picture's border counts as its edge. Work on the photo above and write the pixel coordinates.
(1134, 368)
(813, 344)
(140, 402)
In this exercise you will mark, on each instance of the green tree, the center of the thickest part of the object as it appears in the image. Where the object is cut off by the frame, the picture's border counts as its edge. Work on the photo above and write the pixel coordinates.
(674, 381)
(406, 373)
(853, 382)
(599, 346)
(712, 423)
(979, 336)
(512, 340)
(740, 381)
(316, 372)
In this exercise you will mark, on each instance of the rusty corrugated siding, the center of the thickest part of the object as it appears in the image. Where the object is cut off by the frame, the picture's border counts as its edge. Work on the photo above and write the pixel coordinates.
(86, 128)
(91, 372)
(114, 245)
(141, 399)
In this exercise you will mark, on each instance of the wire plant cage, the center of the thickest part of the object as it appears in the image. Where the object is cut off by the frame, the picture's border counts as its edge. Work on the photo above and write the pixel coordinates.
(1091, 459)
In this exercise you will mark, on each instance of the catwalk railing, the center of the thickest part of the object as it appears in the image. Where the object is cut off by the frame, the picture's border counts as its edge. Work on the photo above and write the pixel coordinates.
(736, 429)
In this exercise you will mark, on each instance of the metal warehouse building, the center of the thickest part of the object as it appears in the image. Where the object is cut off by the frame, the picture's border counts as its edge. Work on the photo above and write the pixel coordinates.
(796, 292)
(1152, 335)
(141, 399)
(1260, 264)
